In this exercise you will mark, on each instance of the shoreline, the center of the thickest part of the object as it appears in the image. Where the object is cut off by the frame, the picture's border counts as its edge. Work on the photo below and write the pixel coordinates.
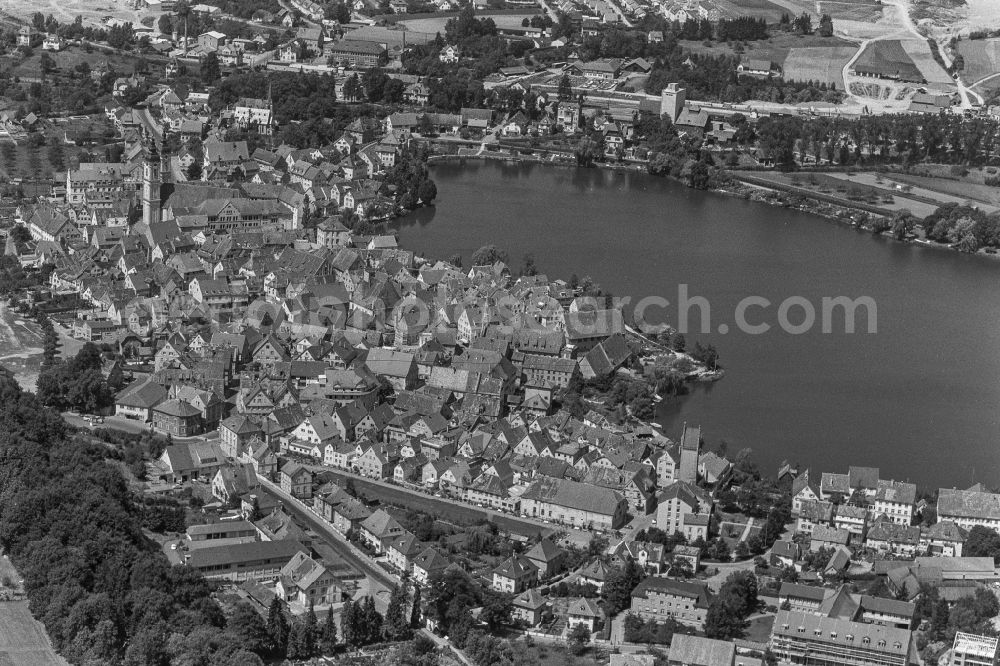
(842, 211)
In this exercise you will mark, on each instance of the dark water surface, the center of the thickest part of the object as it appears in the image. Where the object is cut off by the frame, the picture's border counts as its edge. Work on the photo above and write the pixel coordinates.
(920, 398)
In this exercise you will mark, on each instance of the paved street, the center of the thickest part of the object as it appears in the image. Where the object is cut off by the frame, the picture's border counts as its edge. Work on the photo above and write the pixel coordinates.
(128, 425)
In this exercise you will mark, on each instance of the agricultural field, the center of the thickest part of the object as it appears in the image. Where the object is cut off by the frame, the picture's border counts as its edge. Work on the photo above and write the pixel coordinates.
(433, 23)
(824, 64)
(22, 638)
(777, 49)
(920, 53)
(864, 12)
(982, 58)
(765, 9)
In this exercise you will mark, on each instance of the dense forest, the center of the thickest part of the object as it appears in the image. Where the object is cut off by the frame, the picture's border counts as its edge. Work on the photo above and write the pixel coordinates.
(72, 528)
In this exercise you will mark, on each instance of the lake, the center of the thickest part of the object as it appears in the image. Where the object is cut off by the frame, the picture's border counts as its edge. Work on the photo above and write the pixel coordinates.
(919, 398)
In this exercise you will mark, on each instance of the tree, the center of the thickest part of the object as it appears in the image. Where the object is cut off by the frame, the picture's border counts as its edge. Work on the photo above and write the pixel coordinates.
(277, 626)
(248, 628)
(349, 624)
(488, 255)
(982, 542)
(427, 191)
(619, 586)
(415, 619)
(565, 89)
(310, 632)
(826, 26)
(578, 639)
(193, 171)
(211, 71)
(328, 635)
(396, 627)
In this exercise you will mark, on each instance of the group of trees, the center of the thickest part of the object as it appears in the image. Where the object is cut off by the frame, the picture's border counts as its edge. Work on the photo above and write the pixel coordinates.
(972, 614)
(77, 383)
(729, 609)
(881, 139)
(451, 596)
(411, 180)
(963, 227)
(651, 631)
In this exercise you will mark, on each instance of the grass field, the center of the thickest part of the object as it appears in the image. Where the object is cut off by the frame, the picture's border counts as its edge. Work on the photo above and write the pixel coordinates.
(824, 64)
(852, 11)
(776, 49)
(769, 11)
(982, 58)
(456, 514)
(434, 24)
(22, 639)
(965, 188)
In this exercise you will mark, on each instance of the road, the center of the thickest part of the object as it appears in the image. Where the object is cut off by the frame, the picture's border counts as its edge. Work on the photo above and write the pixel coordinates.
(130, 426)
(332, 537)
(349, 553)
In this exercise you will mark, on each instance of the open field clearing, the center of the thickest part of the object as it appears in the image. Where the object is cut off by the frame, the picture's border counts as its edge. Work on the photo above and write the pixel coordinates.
(65, 11)
(964, 189)
(824, 64)
(22, 638)
(982, 58)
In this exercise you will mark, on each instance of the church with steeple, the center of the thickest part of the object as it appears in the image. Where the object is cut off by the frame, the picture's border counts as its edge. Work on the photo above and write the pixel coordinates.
(154, 170)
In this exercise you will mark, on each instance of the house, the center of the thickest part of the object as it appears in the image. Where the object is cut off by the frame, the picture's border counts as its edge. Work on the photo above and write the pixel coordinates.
(378, 529)
(944, 538)
(427, 563)
(575, 503)
(177, 417)
(236, 432)
(657, 598)
(398, 368)
(233, 481)
(306, 582)
(528, 607)
(137, 401)
(895, 500)
(803, 491)
(296, 480)
(190, 460)
(402, 549)
(514, 575)
(835, 640)
(596, 573)
(684, 507)
(813, 513)
(687, 650)
(974, 650)
(547, 557)
(584, 612)
(888, 537)
(755, 67)
(358, 54)
(968, 508)
(449, 54)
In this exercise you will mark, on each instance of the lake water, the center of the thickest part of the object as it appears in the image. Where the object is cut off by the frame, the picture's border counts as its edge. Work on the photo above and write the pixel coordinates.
(920, 398)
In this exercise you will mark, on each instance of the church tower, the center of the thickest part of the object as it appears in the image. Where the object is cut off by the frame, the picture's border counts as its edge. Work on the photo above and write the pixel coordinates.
(151, 175)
